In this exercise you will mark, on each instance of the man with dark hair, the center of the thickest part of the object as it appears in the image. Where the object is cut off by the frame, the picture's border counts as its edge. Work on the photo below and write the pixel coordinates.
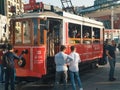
(9, 69)
(61, 60)
(74, 69)
(110, 52)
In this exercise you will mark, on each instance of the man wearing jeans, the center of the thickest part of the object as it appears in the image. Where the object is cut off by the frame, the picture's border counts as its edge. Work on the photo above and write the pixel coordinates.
(10, 70)
(61, 60)
(2, 52)
(74, 69)
(110, 52)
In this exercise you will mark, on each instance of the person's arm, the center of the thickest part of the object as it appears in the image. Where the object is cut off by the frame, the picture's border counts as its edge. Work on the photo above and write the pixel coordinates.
(16, 57)
(107, 53)
(69, 58)
(79, 58)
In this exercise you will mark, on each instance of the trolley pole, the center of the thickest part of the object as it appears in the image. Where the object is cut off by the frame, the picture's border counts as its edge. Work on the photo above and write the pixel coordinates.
(112, 22)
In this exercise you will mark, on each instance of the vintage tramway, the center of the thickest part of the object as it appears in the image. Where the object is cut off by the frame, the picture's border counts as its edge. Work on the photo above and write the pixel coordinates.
(41, 34)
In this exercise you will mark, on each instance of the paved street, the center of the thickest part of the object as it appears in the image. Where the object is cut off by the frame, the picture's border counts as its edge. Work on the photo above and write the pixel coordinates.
(96, 79)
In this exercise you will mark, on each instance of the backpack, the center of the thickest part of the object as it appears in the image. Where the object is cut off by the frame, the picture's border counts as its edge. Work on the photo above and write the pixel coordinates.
(7, 61)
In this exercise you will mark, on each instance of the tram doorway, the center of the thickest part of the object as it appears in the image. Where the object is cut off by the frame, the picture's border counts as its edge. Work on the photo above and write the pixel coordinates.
(53, 44)
(53, 37)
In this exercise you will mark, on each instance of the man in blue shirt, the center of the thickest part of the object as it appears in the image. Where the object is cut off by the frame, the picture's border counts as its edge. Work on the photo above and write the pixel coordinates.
(110, 52)
(61, 60)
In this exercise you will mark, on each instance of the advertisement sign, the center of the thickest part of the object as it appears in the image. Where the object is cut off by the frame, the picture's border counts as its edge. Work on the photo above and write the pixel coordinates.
(32, 1)
(32, 6)
(39, 60)
(27, 7)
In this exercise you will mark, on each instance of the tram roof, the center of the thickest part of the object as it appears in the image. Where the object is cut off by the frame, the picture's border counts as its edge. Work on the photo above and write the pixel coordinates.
(59, 15)
(81, 18)
(38, 15)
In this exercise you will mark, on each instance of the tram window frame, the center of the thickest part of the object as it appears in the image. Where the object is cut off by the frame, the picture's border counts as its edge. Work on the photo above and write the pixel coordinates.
(96, 35)
(87, 34)
(73, 31)
(19, 27)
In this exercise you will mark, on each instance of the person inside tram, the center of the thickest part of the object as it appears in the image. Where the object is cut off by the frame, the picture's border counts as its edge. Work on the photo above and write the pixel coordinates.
(78, 35)
(96, 36)
(35, 40)
(74, 33)
(87, 35)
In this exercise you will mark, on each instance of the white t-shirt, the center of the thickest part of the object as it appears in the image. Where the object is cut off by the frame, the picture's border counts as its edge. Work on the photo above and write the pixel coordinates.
(73, 66)
(61, 60)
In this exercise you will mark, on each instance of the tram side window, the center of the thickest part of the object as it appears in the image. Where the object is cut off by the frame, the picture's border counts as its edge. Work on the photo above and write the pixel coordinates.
(96, 35)
(87, 34)
(18, 33)
(74, 33)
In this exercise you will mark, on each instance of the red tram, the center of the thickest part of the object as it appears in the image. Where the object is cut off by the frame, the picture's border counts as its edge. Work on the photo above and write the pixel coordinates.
(41, 34)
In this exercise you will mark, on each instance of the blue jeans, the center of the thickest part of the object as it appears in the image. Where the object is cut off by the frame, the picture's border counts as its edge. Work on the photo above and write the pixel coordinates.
(9, 78)
(60, 75)
(112, 67)
(74, 75)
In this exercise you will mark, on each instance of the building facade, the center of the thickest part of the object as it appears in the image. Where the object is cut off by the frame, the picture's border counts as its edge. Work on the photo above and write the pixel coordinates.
(108, 12)
(5, 6)
(5, 14)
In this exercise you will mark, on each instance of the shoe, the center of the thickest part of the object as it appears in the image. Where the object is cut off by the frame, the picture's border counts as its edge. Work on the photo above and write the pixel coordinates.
(112, 79)
(81, 88)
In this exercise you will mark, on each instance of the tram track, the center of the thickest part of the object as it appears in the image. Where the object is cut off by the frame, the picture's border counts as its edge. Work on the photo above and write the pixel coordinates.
(40, 85)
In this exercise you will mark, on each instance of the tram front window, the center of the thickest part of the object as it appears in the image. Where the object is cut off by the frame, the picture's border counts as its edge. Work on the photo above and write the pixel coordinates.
(18, 33)
(22, 32)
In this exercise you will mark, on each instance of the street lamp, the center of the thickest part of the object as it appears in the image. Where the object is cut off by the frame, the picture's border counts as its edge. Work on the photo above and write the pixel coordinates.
(112, 22)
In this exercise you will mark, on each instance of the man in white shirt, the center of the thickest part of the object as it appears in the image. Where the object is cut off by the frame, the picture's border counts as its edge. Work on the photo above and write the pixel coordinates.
(61, 60)
(74, 69)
